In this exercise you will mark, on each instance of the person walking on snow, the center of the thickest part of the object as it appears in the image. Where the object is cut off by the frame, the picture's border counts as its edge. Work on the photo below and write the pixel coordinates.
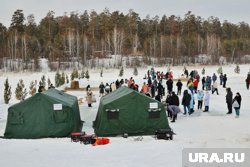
(214, 77)
(89, 97)
(179, 86)
(186, 101)
(215, 88)
(237, 104)
(206, 101)
(200, 96)
(224, 80)
(229, 100)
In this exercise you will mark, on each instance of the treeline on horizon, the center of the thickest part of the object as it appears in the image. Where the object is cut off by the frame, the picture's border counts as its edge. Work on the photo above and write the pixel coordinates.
(84, 36)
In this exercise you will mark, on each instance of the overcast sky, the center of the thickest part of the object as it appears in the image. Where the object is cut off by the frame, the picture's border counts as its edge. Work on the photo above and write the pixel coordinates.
(234, 11)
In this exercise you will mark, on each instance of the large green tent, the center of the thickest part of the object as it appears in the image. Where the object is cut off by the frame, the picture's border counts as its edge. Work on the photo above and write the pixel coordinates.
(126, 111)
(49, 114)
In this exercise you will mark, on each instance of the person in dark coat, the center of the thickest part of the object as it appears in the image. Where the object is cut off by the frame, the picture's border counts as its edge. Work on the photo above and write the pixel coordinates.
(168, 101)
(203, 81)
(160, 89)
(247, 83)
(186, 73)
(169, 84)
(101, 89)
(174, 99)
(186, 101)
(208, 83)
(229, 100)
(221, 78)
(149, 81)
(179, 86)
(224, 80)
(158, 97)
(237, 104)
(214, 77)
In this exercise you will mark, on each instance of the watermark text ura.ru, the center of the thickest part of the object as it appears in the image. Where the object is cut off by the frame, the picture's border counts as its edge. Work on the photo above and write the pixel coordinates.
(214, 157)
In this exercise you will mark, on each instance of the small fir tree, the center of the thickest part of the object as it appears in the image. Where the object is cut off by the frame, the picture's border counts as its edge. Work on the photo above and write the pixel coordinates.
(62, 81)
(121, 72)
(32, 88)
(74, 74)
(220, 70)
(7, 91)
(203, 71)
(67, 79)
(135, 71)
(58, 79)
(49, 82)
(20, 91)
(237, 69)
(43, 81)
(82, 73)
(87, 74)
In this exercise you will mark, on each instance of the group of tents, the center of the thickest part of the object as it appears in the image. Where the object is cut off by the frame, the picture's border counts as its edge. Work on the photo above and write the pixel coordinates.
(54, 113)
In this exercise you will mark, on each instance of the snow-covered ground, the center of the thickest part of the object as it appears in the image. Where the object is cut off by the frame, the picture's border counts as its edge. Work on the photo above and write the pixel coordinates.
(214, 129)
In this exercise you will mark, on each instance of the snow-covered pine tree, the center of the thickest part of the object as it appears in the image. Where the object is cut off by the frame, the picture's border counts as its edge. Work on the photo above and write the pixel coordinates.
(32, 88)
(67, 79)
(87, 74)
(7, 91)
(237, 69)
(62, 81)
(74, 74)
(49, 82)
(135, 71)
(43, 81)
(220, 70)
(82, 73)
(58, 79)
(203, 71)
(121, 72)
(20, 91)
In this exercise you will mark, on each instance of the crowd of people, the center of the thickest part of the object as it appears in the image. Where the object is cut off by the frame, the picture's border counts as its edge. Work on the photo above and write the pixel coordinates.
(153, 87)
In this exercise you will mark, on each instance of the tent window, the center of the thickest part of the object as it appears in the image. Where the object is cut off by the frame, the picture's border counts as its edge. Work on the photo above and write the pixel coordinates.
(154, 113)
(16, 118)
(112, 113)
(61, 116)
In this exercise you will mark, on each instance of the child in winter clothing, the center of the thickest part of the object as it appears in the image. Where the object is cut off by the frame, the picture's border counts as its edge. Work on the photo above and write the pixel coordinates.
(200, 96)
(206, 101)
(237, 104)
(179, 86)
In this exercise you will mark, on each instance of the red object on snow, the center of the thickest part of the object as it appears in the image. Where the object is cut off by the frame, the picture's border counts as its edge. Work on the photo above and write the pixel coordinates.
(101, 141)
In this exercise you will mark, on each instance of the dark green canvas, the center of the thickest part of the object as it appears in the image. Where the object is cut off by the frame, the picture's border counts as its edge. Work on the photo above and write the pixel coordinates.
(128, 111)
(37, 117)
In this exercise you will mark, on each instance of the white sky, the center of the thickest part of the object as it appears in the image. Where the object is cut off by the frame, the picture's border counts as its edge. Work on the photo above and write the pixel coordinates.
(234, 11)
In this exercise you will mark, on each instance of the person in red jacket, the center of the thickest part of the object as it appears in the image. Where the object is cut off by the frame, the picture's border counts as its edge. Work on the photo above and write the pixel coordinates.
(196, 83)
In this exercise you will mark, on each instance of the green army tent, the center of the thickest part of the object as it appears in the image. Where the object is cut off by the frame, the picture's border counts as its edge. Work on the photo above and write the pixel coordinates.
(49, 114)
(126, 111)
